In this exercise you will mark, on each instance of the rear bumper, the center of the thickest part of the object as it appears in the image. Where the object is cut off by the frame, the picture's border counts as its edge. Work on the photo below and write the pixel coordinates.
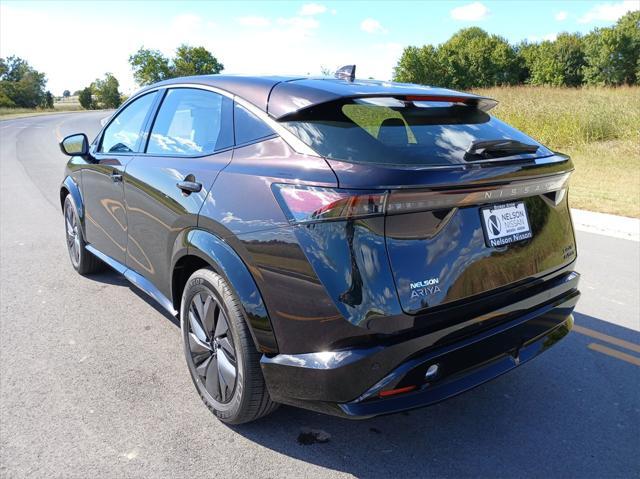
(348, 382)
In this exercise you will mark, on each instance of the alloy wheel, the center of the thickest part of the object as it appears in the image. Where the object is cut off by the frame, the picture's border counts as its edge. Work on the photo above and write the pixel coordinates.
(211, 346)
(73, 234)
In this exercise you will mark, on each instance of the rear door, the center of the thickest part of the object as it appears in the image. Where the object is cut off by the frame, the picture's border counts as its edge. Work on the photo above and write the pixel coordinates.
(190, 141)
(106, 225)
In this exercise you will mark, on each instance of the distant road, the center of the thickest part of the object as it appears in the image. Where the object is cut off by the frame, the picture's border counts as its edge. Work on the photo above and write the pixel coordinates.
(93, 382)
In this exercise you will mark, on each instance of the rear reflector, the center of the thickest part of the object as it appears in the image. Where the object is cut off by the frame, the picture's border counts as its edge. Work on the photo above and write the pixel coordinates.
(304, 204)
(393, 392)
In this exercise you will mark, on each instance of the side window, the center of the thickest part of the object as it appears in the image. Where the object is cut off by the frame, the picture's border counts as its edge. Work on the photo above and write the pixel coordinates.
(123, 133)
(248, 127)
(191, 122)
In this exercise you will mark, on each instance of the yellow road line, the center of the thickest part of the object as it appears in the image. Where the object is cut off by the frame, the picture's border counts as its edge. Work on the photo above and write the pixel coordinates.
(606, 338)
(58, 134)
(614, 353)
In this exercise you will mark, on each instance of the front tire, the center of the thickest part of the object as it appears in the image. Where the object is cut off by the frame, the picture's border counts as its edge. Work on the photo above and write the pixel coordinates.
(222, 359)
(81, 260)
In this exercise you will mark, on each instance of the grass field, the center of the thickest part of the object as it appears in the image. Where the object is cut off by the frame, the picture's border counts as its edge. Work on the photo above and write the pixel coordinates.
(9, 113)
(598, 127)
(67, 104)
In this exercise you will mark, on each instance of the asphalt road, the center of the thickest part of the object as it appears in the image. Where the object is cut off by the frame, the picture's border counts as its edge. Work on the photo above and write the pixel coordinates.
(93, 382)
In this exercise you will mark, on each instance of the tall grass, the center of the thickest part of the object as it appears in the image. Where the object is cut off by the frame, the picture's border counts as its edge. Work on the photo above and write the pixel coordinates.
(569, 117)
(598, 127)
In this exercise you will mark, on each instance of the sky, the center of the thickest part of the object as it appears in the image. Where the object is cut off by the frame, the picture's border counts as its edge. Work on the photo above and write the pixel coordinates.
(76, 42)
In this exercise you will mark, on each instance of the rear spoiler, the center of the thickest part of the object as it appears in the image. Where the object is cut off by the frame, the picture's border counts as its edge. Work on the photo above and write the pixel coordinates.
(287, 99)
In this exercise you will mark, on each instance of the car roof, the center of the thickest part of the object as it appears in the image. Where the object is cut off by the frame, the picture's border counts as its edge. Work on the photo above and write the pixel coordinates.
(283, 96)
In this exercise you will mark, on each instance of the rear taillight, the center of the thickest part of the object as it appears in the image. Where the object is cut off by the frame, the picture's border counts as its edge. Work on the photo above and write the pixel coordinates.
(309, 204)
(306, 204)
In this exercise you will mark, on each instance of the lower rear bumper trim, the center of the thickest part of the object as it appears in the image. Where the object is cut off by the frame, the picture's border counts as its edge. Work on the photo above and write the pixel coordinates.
(348, 382)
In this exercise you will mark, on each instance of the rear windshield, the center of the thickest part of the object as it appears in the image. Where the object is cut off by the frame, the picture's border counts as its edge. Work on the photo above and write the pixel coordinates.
(389, 131)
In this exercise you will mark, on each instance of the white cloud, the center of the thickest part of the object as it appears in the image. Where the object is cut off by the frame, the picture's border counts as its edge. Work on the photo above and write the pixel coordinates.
(609, 12)
(549, 37)
(312, 9)
(470, 13)
(186, 22)
(561, 16)
(371, 25)
(254, 21)
(300, 23)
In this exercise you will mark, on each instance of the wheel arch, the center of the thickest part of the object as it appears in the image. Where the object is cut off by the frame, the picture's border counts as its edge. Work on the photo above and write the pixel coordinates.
(197, 249)
(69, 186)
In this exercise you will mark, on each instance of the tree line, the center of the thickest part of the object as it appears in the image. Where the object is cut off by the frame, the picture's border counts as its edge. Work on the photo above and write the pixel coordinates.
(150, 66)
(474, 58)
(23, 86)
(470, 58)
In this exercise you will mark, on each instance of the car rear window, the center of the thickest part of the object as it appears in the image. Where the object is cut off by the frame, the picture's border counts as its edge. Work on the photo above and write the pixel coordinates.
(390, 131)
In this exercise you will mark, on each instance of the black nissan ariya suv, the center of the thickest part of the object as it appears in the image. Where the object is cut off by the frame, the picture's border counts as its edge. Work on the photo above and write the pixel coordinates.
(352, 247)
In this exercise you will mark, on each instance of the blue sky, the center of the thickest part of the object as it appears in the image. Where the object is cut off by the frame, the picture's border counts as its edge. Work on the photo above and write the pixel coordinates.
(76, 42)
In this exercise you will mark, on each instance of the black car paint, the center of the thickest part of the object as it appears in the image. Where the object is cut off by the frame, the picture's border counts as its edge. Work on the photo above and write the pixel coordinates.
(300, 298)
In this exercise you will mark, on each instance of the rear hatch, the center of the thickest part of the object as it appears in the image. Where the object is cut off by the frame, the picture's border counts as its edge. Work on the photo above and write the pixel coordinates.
(471, 205)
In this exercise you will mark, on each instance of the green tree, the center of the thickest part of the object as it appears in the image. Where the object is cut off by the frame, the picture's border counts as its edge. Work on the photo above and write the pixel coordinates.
(151, 66)
(569, 51)
(473, 58)
(470, 58)
(419, 65)
(558, 63)
(106, 91)
(612, 54)
(85, 97)
(20, 84)
(47, 100)
(5, 101)
(195, 61)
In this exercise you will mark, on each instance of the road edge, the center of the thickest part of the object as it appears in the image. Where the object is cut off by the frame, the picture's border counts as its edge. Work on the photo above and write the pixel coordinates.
(606, 224)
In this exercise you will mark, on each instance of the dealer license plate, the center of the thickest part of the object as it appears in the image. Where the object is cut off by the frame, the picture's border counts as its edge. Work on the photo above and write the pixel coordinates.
(505, 223)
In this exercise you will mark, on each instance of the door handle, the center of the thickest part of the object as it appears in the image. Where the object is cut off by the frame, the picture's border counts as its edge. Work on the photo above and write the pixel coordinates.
(189, 186)
(116, 177)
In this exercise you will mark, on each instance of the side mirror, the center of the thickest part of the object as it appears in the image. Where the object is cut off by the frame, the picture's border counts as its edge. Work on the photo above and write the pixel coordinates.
(75, 145)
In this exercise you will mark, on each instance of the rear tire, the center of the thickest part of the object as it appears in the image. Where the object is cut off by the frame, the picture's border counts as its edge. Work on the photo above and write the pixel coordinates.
(216, 338)
(81, 260)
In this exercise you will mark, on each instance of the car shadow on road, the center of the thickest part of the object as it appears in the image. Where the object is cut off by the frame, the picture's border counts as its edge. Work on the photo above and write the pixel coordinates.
(557, 416)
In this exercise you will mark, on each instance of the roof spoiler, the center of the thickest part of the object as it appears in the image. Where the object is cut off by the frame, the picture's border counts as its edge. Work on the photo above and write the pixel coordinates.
(481, 103)
(289, 98)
